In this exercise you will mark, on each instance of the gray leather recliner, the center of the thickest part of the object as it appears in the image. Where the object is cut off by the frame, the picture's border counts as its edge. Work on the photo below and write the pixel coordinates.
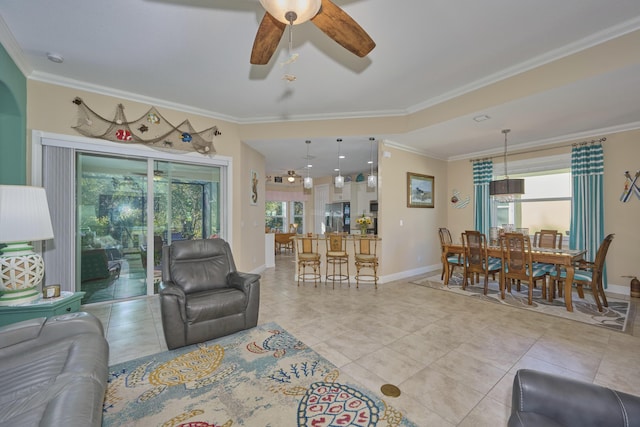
(202, 295)
(541, 399)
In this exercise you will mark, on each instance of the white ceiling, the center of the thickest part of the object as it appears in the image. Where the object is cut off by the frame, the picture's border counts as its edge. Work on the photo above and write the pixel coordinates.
(194, 55)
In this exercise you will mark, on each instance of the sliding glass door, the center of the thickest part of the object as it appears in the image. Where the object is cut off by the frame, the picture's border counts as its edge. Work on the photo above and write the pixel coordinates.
(126, 206)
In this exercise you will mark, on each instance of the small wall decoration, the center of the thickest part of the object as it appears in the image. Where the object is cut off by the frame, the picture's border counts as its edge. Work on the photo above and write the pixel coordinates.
(151, 129)
(459, 201)
(254, 188)
(420, 190)
(630, 187)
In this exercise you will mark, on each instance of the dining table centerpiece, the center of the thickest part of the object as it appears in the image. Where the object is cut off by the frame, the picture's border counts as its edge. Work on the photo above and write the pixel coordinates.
(363, 222)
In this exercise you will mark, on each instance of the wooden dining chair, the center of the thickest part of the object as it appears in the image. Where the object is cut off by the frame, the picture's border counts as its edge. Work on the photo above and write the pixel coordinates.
(454, 260)
(551, 239)
(547, 239)
(517, 264)
(587, 274)
(476, 260)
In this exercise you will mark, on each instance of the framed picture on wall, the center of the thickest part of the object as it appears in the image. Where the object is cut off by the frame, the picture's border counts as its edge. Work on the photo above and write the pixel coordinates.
(254, 188)
(420, 190)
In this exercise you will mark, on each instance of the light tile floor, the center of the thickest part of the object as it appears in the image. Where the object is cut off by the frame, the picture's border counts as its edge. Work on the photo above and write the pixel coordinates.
(452, 357)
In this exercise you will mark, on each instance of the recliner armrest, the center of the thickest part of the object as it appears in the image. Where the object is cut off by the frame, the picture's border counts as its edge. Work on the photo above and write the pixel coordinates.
(544, 399)
(171, 290)
(242, 281)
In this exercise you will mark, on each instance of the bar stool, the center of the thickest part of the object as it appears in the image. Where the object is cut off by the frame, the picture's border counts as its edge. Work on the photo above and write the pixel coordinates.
(308, 256)
(336, 256)
(364, 250)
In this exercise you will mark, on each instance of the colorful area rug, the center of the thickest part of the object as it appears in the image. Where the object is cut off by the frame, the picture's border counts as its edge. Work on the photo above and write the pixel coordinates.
(260, 377)
(614, 317)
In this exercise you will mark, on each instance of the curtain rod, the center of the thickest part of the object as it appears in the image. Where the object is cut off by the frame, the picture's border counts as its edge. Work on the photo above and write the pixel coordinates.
(573, 144)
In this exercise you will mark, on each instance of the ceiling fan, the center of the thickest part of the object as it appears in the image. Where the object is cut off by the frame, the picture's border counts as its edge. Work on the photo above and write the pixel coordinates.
(292, 176)
(328, 17)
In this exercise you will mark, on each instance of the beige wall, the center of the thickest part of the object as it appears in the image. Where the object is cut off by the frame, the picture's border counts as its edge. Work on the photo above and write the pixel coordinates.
(621, 153)
(407, 249)
(251, 216)
(50, 109)
(414, 245)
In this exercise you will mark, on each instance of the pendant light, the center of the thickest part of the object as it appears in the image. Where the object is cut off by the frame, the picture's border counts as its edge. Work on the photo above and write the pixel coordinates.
(372, 180)
(505, 190)
(339, 180)
(308, 181)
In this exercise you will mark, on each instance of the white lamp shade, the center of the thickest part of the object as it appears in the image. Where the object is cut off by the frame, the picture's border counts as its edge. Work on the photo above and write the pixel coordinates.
(304, 9)
(308, 182)
(339, 181)
(24, 214)
(372, 181)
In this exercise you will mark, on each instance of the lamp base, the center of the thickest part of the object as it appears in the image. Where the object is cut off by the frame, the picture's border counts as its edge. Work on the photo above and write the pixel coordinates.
(22, 296)
(21, 271)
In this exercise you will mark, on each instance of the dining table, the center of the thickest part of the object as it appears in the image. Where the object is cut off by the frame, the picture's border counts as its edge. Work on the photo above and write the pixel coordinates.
(562, 258)
(284, 240)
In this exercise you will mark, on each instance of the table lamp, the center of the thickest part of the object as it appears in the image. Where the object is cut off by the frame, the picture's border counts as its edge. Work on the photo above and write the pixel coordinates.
(24, 218)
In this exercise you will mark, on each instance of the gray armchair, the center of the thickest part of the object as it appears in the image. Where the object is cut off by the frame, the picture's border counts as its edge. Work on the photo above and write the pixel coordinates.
(202, 295)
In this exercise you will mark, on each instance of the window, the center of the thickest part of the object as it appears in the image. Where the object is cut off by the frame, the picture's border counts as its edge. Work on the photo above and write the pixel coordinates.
(297, 209)
(275, 216)
(278, 216)
(546, 203)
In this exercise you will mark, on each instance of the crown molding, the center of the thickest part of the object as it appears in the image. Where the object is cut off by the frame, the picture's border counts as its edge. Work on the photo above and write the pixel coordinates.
(13, 48)
(103, 90)
(546, 58)
(589, 134)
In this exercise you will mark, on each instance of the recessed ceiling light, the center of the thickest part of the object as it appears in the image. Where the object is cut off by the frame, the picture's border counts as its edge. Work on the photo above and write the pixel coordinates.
(55, 57)
(481, 118)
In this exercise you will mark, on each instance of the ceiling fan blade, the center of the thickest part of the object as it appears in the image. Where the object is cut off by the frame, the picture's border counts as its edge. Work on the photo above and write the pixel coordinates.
(267, 39)
(338, 25)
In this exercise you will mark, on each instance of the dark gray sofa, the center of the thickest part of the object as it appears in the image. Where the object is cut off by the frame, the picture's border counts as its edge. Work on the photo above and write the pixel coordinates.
(202, 295)
(53, 372)
(541, 399)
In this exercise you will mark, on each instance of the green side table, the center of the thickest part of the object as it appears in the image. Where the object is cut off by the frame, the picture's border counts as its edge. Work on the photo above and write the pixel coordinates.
(67, 302)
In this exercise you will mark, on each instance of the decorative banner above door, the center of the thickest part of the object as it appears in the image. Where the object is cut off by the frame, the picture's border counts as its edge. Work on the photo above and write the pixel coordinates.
(151, 129)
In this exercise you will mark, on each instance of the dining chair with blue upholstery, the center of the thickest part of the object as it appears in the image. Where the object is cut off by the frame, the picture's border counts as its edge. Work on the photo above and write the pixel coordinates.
(454, 260)
(476, 260)
(587, 274)
(517, 264)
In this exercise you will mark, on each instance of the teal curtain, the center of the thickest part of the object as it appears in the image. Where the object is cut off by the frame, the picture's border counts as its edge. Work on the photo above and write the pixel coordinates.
(482, 175)
(587, 203)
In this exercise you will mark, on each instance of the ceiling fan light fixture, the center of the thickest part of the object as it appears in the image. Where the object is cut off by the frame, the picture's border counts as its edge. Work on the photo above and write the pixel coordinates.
(303, 10)
(505, 190)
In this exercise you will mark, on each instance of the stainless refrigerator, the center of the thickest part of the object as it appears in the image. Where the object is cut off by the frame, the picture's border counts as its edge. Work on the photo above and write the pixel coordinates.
(337, 217)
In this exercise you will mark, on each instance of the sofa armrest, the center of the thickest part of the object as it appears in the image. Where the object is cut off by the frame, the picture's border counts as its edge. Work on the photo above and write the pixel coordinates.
(16, 333)
(541, 399)
(21, 337)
